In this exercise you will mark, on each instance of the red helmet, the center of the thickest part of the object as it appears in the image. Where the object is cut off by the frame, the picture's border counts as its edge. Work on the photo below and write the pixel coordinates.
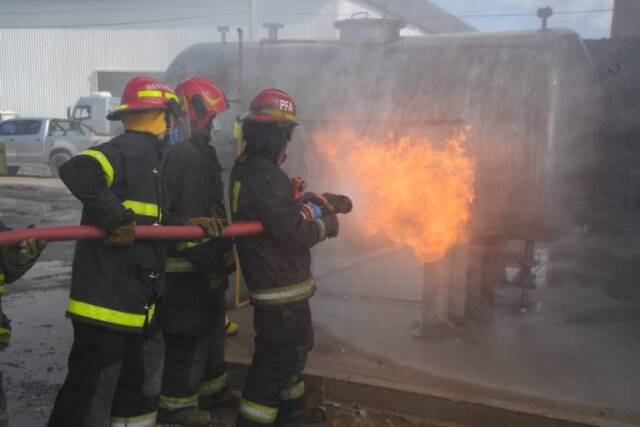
(204, 100)
(272, 105)
(143, 94)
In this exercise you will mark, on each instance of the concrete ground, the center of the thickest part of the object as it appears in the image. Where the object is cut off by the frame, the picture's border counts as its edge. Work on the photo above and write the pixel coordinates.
(574, 354)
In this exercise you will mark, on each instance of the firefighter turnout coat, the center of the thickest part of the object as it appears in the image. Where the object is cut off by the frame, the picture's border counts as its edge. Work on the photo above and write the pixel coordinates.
(195, 270)
(117, 287)
(276, 265)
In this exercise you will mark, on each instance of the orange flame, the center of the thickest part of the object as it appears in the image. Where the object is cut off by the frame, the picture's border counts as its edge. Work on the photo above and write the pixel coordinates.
(414, 192)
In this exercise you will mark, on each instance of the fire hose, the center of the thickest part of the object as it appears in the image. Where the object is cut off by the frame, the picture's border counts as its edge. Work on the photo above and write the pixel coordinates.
(156, 232)
(144, 232)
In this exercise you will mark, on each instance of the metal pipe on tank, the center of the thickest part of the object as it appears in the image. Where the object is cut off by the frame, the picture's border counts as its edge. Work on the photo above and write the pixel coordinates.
(262, 64)
(252, 20)
(240, 91)
(273, 28)
(240, 82)
(223, 30)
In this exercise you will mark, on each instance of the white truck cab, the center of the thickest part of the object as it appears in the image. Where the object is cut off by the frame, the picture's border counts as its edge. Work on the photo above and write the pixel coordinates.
(92, 110)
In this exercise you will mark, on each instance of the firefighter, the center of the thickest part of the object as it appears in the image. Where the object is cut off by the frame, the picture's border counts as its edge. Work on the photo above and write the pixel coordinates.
(192, 311)
(14, 262)
(115, 364)
(276, 265)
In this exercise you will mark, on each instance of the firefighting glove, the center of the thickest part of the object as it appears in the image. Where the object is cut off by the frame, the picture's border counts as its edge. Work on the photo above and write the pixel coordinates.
(337, 203)
(123, 231)
(5, 331)
(330, 203)
(330, 226)
(212, 226)
(29, 250)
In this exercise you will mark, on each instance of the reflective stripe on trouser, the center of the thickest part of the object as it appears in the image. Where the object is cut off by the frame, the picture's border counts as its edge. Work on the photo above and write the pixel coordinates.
(112, 375)
(295, 391)
(213, 386)
(195, 364)
(284, 337)
(283, 295)
(174, 403)
(256, 412)
(108, 315)
(147, 420)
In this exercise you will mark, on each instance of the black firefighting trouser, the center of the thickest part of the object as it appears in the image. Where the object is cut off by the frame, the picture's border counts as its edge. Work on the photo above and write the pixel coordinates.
(112, 375)
(4, 417)
(194, 370)
(274, 387)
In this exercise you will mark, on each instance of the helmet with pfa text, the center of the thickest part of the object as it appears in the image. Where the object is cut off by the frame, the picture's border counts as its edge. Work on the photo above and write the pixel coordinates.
(272, 106)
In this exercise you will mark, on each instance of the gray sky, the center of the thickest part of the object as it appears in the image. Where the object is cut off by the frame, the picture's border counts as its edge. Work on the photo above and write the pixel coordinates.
(589, 25)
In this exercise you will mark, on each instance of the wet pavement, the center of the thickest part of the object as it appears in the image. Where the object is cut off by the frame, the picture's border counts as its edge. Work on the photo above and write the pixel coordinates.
(575, 351)
(35, 363)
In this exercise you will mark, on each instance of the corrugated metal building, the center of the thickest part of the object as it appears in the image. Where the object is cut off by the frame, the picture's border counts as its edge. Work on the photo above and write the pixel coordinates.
(54, 51)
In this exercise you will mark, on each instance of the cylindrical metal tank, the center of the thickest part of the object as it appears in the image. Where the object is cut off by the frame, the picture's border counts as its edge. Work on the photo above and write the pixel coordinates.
(531, 99)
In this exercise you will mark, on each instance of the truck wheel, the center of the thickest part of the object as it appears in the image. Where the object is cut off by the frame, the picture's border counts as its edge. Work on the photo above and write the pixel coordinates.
(57, 160)
(13, 170)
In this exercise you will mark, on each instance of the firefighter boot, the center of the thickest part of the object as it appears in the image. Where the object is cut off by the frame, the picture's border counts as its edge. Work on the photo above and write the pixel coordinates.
(295, 412)
(224, 398)
(191, 416)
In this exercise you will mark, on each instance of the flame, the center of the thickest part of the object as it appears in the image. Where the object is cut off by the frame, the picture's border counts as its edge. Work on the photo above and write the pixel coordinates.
(410, 190)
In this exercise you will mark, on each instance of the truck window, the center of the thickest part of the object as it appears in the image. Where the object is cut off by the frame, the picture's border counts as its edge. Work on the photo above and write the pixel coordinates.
(82, 112)
(64, 128)
(55, 128)
(28, 127)
(72, 129)
(84, 129)
(8, 128)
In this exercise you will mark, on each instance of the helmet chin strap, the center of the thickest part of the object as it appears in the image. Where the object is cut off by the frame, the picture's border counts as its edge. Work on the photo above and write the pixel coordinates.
(282, 155)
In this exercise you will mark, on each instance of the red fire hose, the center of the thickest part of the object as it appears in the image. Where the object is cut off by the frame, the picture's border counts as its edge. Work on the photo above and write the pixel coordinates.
(147, 232)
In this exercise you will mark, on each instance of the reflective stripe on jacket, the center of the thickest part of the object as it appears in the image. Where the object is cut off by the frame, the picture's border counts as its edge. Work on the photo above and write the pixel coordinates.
(110, 286)
(276, 265)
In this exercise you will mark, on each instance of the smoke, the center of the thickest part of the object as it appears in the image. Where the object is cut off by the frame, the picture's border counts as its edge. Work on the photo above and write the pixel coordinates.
(531, 100)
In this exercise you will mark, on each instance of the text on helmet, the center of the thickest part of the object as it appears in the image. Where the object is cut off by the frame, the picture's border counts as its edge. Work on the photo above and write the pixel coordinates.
(286, 106)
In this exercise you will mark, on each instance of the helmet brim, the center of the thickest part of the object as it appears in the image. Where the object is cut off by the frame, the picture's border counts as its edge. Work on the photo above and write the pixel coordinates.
(116, 115)
(261, 117)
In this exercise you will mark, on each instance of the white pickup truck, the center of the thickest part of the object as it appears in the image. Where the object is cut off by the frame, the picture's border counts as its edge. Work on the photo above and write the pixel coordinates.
(44, 141)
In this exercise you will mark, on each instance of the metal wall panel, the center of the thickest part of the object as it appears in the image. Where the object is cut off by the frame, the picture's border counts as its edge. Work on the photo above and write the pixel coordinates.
(44, 70)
